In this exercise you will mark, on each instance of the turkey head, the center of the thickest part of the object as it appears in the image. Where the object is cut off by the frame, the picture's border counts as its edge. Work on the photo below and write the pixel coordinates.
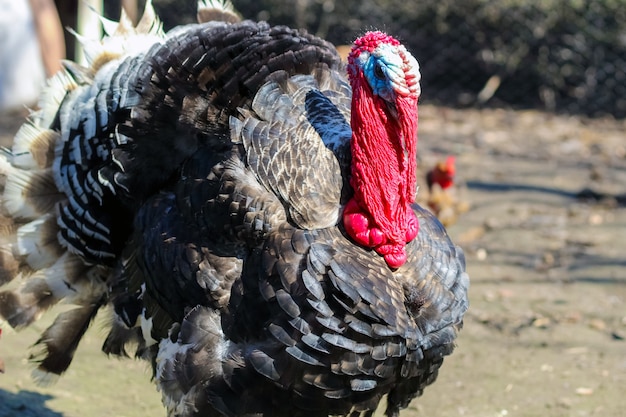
(385, 89)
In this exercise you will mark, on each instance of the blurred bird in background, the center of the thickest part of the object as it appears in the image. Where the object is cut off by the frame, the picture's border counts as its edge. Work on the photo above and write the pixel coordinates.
(443, 195)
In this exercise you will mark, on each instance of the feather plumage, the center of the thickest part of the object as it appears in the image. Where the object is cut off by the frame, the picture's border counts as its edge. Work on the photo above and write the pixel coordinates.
(197, 181)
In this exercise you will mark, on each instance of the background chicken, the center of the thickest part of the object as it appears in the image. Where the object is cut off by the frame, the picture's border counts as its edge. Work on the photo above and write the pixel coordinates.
(441, 193)
(248, 211)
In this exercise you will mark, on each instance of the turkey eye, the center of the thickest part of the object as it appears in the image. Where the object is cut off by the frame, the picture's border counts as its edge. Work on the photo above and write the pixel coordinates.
(378, 72)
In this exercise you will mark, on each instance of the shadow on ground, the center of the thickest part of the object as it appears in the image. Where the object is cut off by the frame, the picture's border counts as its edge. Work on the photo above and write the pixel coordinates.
(25, 404)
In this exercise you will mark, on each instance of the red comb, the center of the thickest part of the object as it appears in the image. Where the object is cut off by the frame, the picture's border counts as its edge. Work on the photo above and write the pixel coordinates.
(451, 164)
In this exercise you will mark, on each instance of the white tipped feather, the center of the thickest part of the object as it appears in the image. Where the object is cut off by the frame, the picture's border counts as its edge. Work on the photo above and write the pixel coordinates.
(27, 303)
(217, 10)
(33, 146)
(122, 38)
(171, 392)
(37, 242)
(43, 378)
(150, 22)
(224, 5)
(200, 338)
(67, 280)
(28, 194)
(22, 140)
(54, 92)
(92, 48)
(109, 26)
(65, 116)
(146, 329)
(9, 266)
(5, 162)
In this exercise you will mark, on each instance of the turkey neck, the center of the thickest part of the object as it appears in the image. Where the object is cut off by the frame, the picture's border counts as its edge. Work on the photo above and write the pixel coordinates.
(384, 148)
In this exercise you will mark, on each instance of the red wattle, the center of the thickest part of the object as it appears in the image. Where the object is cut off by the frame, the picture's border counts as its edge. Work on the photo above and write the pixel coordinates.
(357, 224)
(395, 260)
(412, 226)
(359, 227)
(393, 253)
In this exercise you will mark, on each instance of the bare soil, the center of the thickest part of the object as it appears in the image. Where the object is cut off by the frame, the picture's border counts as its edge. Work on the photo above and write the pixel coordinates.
(545, 240)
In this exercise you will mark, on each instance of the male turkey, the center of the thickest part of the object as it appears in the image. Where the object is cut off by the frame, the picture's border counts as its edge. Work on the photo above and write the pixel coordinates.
(248, 212)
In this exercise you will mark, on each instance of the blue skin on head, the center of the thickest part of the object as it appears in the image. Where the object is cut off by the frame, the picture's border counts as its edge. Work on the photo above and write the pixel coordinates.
(381, 68)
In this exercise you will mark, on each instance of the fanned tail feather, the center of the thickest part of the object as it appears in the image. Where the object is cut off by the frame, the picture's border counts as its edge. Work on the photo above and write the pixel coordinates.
(217, 11)
(29, 194)
(9, 266)
(33, 146)
(121, 338)
(37, 242)
(122, 38)
(68, 279)
(38, 268)
(55, 349)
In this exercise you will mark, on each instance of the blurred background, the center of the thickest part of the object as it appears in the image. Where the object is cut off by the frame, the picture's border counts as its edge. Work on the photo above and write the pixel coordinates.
(567, 56)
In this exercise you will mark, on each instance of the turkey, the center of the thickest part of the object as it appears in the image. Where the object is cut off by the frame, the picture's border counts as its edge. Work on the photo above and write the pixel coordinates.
(244, 203)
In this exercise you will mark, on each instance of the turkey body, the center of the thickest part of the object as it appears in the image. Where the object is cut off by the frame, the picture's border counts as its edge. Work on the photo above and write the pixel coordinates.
(198, 187)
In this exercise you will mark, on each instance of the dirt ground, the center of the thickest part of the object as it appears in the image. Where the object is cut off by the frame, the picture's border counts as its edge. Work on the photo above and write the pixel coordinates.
(545, 240)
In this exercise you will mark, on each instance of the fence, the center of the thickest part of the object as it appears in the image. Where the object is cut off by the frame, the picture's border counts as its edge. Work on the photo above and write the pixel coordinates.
(558, 55)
